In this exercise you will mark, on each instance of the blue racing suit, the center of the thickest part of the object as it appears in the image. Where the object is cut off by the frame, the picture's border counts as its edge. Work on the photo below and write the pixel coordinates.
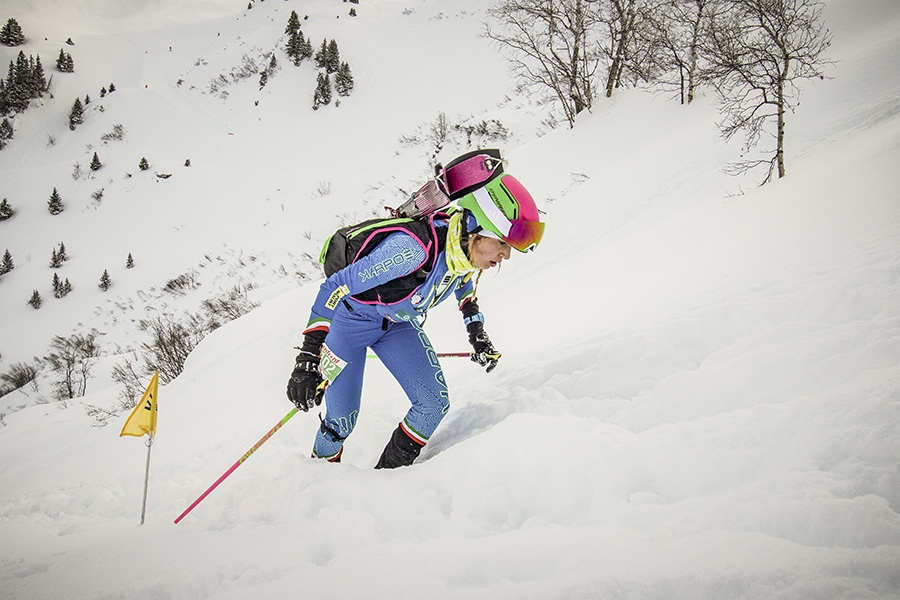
(393, 331)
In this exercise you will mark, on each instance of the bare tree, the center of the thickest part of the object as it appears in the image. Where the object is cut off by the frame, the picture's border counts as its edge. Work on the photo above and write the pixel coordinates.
(553, 46)
(759, 50)
(132, 384)
(72, 359)
(620, 17)
(171, 342)
(676, 26)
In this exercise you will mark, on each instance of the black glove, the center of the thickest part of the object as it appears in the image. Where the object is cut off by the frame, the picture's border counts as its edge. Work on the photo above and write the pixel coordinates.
(303, 386)
(484, 352)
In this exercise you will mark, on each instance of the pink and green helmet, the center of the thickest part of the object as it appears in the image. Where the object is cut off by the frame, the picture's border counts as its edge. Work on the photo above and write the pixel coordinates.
(505, 210)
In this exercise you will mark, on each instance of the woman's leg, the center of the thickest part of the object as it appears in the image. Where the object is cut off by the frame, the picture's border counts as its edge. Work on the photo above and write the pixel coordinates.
(349, 339)
(408, 354)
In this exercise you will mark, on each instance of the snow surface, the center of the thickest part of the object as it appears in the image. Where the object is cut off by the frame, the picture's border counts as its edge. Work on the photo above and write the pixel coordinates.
(700, 389)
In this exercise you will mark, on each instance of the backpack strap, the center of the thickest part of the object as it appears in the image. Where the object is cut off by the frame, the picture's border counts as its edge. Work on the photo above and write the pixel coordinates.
(469, 172)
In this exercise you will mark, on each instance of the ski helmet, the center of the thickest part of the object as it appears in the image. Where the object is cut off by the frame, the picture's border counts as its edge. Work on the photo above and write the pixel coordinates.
(505, 210)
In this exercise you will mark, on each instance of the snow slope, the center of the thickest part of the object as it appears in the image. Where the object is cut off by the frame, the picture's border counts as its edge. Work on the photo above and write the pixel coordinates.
(700, 387)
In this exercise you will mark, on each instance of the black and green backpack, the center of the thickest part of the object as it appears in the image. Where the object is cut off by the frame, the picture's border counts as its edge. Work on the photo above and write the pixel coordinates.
(416, 217)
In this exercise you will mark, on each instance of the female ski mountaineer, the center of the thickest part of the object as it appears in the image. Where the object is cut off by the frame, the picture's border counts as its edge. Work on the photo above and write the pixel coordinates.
(356, 308)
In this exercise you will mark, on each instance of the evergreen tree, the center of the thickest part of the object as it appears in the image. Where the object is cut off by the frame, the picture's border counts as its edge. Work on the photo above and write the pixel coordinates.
(105, 280)
(95, 163)
(295, 47)
(58, 256)
(6, 132)
(103, 92)
(76, 115)
(112, 88)
(35, 300)
(343, 80)
(64, 62)
(293, 23)
(57, 286)
(332, 57)
(143, 165)
(65, 288)
(15, 94)
(38, 77)
(6, 263)
(11, 34)
(129, 262)
(321, 55)
(87, 99)
(6, 211)
(55, 204)
(322, 95)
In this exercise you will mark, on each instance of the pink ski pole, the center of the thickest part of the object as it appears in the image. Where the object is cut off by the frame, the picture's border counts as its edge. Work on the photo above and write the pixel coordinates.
(240, 461)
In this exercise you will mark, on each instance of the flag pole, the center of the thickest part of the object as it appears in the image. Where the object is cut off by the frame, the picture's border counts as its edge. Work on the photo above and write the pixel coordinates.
(239, 462)
(149, 444)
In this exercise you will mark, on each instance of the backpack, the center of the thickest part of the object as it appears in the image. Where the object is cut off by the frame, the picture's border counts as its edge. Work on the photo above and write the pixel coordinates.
(349, 244)
(416, 217)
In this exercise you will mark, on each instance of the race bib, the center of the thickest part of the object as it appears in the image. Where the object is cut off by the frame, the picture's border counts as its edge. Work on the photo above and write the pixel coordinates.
(330, 364)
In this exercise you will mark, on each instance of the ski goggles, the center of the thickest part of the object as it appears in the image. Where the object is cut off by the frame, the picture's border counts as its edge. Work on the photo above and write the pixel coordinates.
(521, 234)
(524, 235)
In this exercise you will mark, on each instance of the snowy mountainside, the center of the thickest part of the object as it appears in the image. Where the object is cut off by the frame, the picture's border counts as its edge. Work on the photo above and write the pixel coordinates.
(698, 394)
(263, 166)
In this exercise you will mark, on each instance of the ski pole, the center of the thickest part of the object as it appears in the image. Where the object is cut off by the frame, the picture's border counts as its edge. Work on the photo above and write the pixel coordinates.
(439, 355)
(240, 461)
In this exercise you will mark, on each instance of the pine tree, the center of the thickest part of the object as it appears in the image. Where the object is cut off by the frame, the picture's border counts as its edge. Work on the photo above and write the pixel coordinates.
(321, 55)
(293, 23)
(6, 211)
(55, 204)
(295, 47)
(76, 115)
(63, 257)
(11, 34)
(105, 280)
(6, 132)
(55, 263)
(129, 262)
(103, 92)
(112, 88)
(35, 300)
(65, 288)
(322, 95)
(95, 163)
(57, 286)
(38, 77)
(6, 263)
(143, 165)
(332, 57)
(87, 99)
(343, 80)
(64, 62)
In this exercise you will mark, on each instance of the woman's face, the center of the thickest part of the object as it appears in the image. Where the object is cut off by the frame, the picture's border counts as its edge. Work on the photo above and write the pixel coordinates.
(488, 252)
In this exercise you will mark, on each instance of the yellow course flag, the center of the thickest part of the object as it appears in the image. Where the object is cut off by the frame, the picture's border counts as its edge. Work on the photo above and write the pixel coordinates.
(143, 418)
